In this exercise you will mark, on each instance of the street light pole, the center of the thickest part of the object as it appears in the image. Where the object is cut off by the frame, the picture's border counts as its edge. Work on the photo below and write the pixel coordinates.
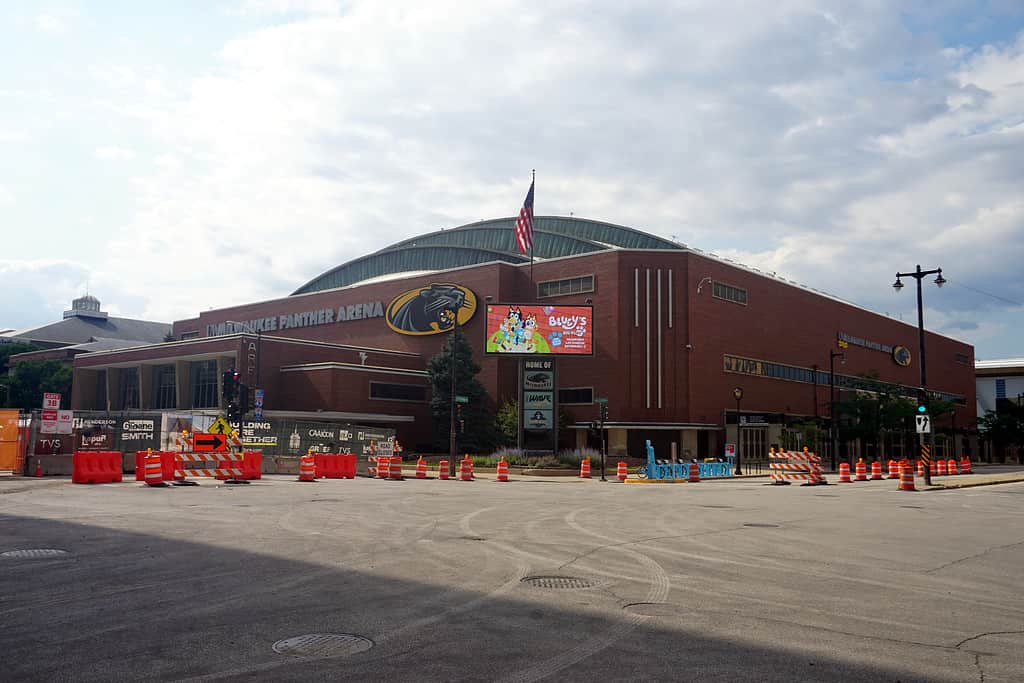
(737, 394)
(918, 275)
(451, 423)
(833, 432)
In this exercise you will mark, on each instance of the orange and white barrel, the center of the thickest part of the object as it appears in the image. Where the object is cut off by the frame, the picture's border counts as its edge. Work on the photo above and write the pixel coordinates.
(585, 468)
(153, 473)
(307, 468)
(465, 471)
(442, 469)
(876, 471)
(395, 469)
(621, 473)
(694, 473)
(862, 471)
(421, 468)
(844, 473)
(940, 467)
(907, 477)
(502, 470)
(951, 467)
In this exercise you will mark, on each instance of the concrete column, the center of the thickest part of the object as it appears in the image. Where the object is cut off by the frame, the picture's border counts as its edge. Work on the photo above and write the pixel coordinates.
(581, 438)
(688, 442)
(182, 385)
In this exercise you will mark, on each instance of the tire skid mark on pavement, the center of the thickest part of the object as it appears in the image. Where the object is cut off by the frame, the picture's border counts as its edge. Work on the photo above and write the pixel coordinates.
(522, 569)
(657, 593)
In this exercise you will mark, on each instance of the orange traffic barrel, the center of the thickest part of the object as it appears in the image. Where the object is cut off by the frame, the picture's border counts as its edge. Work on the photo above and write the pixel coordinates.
(621, 474)
(307, 468)
(442, 469)
(502, 470)
(907, 478)
(694, 473)
(153, 471)
(844, 473)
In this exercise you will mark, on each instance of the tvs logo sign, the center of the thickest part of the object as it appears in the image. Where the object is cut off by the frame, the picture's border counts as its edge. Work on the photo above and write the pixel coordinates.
(430, 310)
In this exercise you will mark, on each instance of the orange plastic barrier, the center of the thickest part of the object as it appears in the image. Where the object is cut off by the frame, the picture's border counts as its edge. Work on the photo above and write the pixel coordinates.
(252, 465)
(96, 467)
(335, 465)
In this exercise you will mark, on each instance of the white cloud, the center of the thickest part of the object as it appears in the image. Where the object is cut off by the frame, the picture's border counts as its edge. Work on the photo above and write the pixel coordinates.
(114, 154)
(6, 196)
(56, 21)
(823, 141)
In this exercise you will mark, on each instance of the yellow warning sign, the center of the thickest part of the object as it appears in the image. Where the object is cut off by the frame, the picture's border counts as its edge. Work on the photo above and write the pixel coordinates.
(220, 426)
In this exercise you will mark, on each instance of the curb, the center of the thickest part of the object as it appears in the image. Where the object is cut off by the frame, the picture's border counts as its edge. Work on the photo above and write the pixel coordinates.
(1015, 479)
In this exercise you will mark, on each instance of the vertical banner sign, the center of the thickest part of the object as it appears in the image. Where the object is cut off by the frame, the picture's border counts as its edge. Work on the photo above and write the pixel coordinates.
(257, 404)
(539, 406)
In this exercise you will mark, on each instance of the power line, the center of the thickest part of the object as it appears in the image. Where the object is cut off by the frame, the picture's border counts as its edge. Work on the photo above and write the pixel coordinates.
(981, 291)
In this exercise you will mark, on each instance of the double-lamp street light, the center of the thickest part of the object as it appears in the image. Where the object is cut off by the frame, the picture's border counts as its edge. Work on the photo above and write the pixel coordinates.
(918, 275)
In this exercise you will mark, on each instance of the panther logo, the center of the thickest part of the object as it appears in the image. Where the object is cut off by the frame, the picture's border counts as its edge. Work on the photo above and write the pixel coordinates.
(430, 310)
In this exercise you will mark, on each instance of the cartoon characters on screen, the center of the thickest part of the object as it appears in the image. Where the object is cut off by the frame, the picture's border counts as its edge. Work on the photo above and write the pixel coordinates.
(517, 332)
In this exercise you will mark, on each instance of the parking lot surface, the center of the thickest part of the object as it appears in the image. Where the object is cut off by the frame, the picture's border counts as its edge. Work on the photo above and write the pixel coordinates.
(519, 581)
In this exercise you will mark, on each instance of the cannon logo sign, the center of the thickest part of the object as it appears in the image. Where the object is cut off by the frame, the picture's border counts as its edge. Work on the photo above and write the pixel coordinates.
(540, 330)
(430, 310)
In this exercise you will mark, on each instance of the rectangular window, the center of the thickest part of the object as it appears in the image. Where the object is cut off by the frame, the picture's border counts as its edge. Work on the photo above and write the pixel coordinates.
(164, 388)
(963, 359)
(384, 391)
(729, 293)
(204, 384)
(572, 285)
(576, 396)
(190, 335)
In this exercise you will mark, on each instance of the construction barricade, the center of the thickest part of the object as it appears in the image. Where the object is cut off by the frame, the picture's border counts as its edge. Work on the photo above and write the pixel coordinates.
(786, 467)
(965, 466)
(335, 465)
(307, 468)
(621, 472)
(680, 471)
(225, 466)
(442, 470)
(421, 468)
(395, 468)
(502, 470)
(585, 468)
(96, 467)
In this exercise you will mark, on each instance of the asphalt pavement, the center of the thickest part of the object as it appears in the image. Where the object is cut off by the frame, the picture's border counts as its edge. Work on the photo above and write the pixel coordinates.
(522, 581)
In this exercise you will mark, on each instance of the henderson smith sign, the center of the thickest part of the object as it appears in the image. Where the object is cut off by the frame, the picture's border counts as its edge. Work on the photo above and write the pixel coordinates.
(289, 321)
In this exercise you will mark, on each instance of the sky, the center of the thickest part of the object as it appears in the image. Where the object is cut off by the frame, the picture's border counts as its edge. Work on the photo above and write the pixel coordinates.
(175, 157)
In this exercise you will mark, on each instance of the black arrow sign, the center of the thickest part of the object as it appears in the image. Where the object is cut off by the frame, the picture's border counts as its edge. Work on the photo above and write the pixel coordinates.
(210, 442)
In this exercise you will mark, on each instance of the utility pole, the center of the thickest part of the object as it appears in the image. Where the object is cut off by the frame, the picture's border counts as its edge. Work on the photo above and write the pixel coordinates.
(452, 451)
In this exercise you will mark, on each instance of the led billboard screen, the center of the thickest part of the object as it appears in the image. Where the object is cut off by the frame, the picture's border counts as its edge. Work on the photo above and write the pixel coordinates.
(542, 330)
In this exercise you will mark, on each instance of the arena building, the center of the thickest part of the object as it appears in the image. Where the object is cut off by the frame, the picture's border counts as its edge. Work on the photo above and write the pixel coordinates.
(675, 331)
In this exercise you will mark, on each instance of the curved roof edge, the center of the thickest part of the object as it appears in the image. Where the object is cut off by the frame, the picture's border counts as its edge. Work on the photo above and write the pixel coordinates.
(486, 241)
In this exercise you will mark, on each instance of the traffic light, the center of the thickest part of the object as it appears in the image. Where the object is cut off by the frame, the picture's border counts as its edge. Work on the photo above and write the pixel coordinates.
(922, 401)
(234, 415)
(229, 385)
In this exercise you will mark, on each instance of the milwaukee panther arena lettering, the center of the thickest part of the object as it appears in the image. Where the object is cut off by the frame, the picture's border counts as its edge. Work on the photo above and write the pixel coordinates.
(290, 321)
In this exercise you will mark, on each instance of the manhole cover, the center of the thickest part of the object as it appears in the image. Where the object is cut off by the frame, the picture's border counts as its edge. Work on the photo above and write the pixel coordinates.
(34, 553)
(558, 582)
(323, 645)
(761, 525)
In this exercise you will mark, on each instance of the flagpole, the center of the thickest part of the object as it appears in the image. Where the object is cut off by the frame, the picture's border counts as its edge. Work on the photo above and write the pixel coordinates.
(533, 219)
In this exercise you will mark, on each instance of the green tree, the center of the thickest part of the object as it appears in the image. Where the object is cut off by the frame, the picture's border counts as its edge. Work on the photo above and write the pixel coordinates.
(506, 423)
(29, 380)
(479, 435)
(1004, 428)
(6, 351)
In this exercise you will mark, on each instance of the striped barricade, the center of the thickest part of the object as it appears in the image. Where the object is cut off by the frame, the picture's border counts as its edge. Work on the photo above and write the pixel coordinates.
(788, 466)
(228, 465)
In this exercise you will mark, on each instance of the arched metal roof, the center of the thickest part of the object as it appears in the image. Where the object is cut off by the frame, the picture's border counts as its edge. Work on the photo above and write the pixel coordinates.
(490, 240)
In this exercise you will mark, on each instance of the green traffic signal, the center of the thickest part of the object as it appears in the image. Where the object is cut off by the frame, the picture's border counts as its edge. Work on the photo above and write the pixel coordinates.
(922, 409)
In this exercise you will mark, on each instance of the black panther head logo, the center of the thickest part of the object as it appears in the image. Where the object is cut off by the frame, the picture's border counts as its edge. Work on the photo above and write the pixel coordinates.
(430, 310)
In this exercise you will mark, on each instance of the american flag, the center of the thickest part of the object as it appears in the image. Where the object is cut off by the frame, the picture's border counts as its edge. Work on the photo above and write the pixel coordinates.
(524, 224)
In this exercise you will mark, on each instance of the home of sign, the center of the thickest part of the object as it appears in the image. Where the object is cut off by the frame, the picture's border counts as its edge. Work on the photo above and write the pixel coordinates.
(431, 309)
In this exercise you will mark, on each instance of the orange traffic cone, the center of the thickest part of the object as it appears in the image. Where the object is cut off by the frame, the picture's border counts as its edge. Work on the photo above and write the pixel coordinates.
(421, 468)
(907, 477)
(502, 469)
(621, 473)
(585, 468)
(694, 473)
(844, 473)
(39, 469)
